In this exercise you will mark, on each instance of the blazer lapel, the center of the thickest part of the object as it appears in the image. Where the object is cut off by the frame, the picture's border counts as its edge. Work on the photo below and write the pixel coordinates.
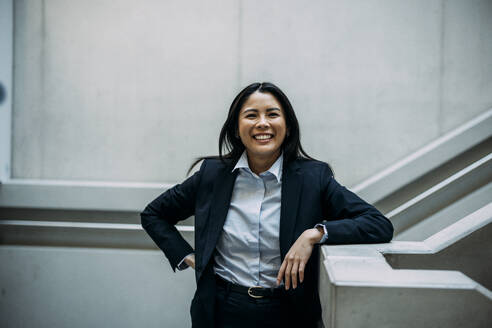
(291, 190)
(221, 198)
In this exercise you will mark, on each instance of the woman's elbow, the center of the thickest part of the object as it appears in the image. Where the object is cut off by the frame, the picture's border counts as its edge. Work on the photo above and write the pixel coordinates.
(145, 217)
(382, 230)
(387, 231)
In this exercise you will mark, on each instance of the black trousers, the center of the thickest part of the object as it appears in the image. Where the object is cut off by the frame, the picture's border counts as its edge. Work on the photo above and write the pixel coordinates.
(237, 310)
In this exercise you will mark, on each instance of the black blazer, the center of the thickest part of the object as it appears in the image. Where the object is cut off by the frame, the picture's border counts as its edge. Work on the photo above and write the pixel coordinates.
(310, 195)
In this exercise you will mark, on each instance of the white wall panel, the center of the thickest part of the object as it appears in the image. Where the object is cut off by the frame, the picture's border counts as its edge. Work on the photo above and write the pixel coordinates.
(114, 90)
(363, 75)
(467, 61)
(6, 60)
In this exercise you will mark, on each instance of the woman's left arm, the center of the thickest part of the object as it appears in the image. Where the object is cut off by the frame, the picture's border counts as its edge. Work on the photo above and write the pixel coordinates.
(348, 220)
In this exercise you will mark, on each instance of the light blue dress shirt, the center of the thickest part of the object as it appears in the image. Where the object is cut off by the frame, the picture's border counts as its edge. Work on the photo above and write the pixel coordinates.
(248, 249)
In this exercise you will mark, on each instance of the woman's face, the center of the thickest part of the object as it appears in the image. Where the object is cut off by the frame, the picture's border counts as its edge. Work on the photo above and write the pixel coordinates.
(262, 126)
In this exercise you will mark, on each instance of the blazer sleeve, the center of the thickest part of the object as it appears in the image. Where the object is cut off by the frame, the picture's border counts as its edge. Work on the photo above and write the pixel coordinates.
(160, 216)
(348, 218)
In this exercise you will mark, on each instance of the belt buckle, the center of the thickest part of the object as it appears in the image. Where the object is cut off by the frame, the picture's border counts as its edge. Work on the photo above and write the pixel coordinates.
(254, 296)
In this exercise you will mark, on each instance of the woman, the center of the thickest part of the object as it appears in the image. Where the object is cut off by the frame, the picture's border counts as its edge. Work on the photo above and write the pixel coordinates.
(260, 212)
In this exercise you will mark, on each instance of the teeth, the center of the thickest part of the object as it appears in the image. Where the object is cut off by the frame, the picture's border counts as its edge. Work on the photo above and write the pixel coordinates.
(263, 136)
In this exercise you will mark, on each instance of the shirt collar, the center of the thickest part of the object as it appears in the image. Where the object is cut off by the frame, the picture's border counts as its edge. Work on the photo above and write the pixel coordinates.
(275, 169)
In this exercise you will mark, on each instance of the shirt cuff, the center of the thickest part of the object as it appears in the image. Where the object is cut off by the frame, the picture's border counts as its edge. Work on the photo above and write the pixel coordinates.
(182, 264)
(325, 233)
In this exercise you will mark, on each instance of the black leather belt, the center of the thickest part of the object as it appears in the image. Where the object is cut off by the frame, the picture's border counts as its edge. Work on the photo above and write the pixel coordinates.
(254, 291)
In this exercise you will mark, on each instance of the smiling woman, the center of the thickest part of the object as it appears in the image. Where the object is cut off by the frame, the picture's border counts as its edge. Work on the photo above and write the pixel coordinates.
(261, 210)
(262, 130)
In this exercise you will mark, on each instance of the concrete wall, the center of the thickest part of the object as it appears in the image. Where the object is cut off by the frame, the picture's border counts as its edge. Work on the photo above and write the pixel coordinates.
(6, 59)
(91, 287)
(115, 90)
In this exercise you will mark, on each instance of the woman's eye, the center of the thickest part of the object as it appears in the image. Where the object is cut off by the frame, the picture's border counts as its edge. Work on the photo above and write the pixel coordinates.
(273, 115)
(250, 115)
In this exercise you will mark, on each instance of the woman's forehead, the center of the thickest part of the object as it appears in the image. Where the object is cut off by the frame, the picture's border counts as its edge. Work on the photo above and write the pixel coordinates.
(261, 100)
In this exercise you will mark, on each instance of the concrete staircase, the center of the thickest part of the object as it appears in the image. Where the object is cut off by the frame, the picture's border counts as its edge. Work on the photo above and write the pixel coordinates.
(443, 281)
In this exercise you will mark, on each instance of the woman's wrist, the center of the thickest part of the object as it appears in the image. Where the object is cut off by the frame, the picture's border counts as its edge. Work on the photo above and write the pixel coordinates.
(314, 235)
(190, 260)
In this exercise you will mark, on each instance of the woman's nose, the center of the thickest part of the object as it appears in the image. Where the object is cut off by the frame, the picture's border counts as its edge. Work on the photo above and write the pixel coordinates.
(263, 122)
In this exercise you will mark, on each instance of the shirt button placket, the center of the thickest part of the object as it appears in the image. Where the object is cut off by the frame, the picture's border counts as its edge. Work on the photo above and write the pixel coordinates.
(261, 196)
(258, 199)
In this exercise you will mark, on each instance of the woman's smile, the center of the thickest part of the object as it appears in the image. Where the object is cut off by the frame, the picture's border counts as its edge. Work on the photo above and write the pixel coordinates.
(263, 138)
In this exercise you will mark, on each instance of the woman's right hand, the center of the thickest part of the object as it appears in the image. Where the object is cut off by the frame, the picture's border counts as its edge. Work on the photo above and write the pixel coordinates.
(190, 260)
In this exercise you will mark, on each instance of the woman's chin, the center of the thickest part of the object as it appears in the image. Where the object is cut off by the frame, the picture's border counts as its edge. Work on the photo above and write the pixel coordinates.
(263, 153)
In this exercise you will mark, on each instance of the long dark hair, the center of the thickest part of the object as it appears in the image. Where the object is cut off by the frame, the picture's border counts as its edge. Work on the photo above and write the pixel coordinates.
(291, 146)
